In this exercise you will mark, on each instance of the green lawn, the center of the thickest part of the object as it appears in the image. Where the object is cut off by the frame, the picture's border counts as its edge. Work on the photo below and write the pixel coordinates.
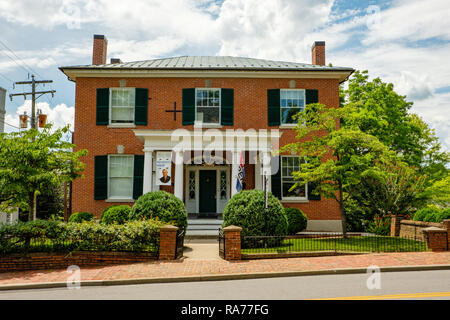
(351, 244)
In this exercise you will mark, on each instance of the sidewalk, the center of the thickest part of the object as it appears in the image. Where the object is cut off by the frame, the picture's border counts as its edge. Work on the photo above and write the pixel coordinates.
(195, 268)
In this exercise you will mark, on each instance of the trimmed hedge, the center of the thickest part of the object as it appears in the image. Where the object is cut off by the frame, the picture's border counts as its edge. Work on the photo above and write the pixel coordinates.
(115, 214)
(52, 236)
(160, 205)
(296, 219)
(81, 216)
(246, 210)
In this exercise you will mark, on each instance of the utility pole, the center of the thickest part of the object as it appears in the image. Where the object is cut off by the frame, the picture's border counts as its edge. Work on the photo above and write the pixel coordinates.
(33, 93)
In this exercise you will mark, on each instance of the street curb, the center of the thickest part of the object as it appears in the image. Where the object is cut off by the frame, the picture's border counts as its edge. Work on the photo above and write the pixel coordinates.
(220, 277)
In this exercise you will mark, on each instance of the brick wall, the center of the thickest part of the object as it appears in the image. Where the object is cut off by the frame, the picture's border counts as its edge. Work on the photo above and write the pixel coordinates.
(414, 229)
(250, 111)
(39, 261)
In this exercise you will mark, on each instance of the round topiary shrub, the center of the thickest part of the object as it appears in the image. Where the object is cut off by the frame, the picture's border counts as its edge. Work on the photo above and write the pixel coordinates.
(246, 210)
(160, 205)
(296, 219)
(81, 216)
(116, 214)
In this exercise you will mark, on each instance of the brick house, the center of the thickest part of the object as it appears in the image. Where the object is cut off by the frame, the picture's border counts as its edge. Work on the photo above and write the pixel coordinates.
(183, 124)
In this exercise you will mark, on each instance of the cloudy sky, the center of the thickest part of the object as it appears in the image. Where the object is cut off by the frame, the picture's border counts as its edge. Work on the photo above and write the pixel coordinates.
(406, 42)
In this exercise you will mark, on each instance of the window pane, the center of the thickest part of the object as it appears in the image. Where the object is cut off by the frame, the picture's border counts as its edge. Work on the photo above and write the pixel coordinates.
(121, 166)
(287, 114)
(121, 188)
(299, 192)
(122, 105)
(208, 114)
(208, 105)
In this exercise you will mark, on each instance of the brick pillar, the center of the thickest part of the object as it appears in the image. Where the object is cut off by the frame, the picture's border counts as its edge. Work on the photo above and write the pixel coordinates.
(232, 243)
(167, 242)
(436, 238)
(395, 225)
(446, 224)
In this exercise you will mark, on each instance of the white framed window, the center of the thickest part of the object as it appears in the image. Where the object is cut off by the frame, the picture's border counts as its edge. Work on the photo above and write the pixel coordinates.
(120, 176)
(207, 105)
(292, 101)
(122, 103)
(290, 164)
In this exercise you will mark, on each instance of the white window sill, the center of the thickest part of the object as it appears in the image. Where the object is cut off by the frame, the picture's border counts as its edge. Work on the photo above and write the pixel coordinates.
(288, 126)
(121, 125)
(294, 201)
(119, 200)
(199, 125)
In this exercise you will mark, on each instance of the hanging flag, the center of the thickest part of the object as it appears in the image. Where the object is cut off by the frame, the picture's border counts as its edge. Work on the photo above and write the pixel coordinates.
(241, 174)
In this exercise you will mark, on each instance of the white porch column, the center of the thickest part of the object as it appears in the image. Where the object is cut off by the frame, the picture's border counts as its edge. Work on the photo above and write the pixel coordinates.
(234, 171)
(266, 169)
(258, 173)
(178, 192)
(148, 168)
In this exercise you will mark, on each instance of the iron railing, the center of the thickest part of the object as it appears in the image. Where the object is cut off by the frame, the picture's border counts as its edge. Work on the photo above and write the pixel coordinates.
(221, 244)
(334, 242)
(179, 245)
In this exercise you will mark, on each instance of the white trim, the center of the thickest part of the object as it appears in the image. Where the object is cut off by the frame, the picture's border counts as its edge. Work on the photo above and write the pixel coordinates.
(109, 177)
(291, 199)
(126, 124)
(73, 73)
(119, 200)
(204, 124)
(121, 126)
(290, 125)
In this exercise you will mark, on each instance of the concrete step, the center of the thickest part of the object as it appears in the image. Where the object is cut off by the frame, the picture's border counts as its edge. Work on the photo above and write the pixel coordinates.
(204, 227)
(204, 221)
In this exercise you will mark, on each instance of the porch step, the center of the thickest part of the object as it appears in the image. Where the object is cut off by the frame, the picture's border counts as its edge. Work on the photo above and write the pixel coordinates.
(203, 228)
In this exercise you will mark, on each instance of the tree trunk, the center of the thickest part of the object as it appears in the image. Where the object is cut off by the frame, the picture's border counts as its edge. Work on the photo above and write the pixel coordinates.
(341, 209)
(30, 206)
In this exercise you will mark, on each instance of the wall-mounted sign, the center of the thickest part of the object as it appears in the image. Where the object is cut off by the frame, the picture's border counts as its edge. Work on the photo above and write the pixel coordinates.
(163, 168)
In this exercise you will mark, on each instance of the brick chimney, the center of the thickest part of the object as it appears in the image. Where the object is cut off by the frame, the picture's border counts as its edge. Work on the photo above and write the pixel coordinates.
(318, 53)
(99, 49)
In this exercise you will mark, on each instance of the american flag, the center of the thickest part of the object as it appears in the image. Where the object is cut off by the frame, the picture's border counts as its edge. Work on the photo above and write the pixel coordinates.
(241, 174)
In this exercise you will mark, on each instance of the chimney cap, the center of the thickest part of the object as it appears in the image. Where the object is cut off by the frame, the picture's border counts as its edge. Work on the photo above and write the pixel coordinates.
(317, 43)
(115, 60)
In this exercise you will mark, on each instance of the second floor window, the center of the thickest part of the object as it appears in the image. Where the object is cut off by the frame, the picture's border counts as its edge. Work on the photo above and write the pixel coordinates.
(292, 102)
(122, 105)
(207, 103)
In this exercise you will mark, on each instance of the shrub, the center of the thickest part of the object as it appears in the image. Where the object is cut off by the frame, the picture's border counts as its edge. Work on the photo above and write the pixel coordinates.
(116, 214)
(422, 213)
(381, 225)
(160, 205)
(81, 216)
(41, 236)
(444, 214)
(296, 219)
(246, 210)
(431, 216)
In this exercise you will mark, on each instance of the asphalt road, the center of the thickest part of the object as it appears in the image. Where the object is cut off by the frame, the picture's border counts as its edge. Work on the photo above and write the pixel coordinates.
(394, 285)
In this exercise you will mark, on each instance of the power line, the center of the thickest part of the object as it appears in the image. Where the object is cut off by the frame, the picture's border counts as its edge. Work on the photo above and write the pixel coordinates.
(21, 60)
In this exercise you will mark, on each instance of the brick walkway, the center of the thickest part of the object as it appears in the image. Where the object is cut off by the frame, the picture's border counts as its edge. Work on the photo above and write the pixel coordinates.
(192, 267)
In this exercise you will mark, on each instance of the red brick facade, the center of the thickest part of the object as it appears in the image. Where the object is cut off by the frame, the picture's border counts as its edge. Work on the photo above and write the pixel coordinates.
(250, 111)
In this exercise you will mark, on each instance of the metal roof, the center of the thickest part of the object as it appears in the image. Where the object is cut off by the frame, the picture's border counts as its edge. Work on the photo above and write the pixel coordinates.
(212, 63)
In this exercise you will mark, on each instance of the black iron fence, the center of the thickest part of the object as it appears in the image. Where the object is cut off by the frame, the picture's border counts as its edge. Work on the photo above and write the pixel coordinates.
(221, 244)
(179, 245)
(334, 242)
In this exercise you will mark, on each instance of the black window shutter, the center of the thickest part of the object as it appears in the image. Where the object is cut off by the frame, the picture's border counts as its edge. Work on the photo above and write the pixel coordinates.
(311, 186)
(312, 96)
(273, 107)
(188, 106)
(102, 106)
(276, 179)
(101, 177)
(227, 106)
(141, 106)
(138, 179)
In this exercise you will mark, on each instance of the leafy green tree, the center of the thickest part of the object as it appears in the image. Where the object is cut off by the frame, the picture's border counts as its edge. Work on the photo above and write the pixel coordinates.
(378, 110)
(338, 159)
(33, 160)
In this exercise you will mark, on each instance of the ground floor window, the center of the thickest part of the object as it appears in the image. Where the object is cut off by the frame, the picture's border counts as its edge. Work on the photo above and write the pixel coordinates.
(120, 184)
(290, 164)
